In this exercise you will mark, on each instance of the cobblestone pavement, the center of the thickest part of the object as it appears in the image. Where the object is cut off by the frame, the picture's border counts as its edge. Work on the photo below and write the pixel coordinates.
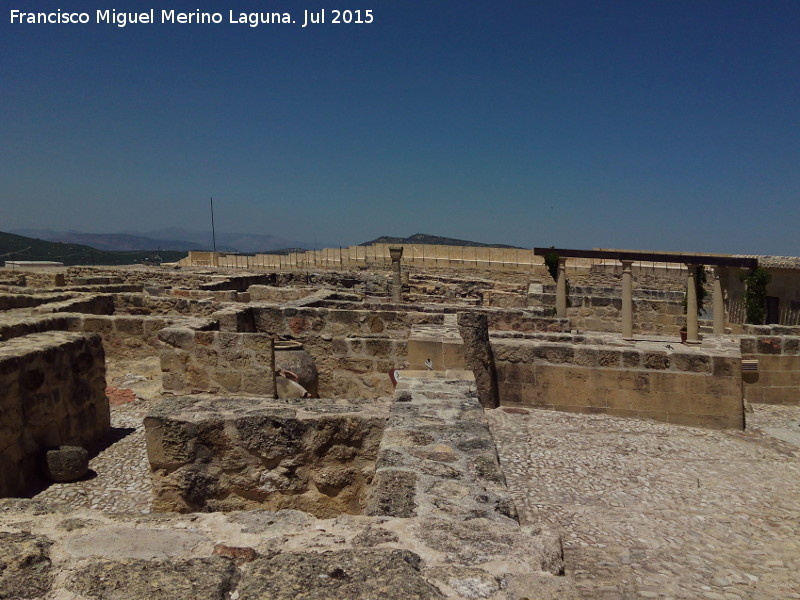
(651, 510)
(121, 479)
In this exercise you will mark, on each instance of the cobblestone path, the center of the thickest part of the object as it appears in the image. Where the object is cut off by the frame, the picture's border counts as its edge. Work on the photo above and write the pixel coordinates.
(122, 482)
(651, 510)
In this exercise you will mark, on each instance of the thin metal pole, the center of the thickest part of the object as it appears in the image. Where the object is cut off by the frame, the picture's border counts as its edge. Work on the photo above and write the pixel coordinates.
(213, 232)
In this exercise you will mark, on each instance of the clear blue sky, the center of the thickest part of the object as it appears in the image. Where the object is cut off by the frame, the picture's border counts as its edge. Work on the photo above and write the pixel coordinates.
(661, 125)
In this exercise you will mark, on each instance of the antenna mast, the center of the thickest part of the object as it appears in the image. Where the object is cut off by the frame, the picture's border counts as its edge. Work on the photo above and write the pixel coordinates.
(213, 232)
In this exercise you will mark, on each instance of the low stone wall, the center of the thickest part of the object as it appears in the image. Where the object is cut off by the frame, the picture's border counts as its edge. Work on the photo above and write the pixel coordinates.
(777, 350)
(218, 295)
(111, 288)
(245, 454)
(526, 321)
(419, 462)
(140, 275)
(145, 304)
(353, 350)
(239, 283)
(129, 336)
(305, 322)
(32, 278)
(53, 393)
(600, 308)
(358, 367)
(14, 325)
(439, 346)
(353, 360)
(686, 386)
(267, 293)
(235, 319)
(194, 362)
(12, 301)
(100, 304)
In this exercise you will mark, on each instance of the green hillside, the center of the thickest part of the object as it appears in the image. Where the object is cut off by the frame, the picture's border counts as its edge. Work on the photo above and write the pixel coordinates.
(17, 247)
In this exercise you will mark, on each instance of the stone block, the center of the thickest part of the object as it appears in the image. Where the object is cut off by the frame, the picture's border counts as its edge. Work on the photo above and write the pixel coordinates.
(392, 494)
(380, 348)
(178, 337)
(789, 363)
(690, 420)
(344, 317)
(510, 392)
(555, 353)
(129, 325)
(66, 463)
(101, 325)
(228, 380)
(631, 358)
(695, 363)
(422, 350)
(586, 357)
(512, 351)
(725, 367)
(453, 355)
(791, 345)
(339, 346)
(577, 378)
(655, 360)
(260, 345)
(748, 345)
(27, 571)
(257, 382)
(609, 358)
(769, 345)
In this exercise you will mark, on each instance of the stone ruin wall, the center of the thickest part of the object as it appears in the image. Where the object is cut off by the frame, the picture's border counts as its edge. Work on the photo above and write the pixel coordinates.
(595, 308)
(129, 336)
(146, 304)
(353, 349)
(227, 454)
(441, 524)
(686, 387)
(11, 301)
(52, 393)
(13, 326)
(216, 362)
(96, 304)
(777, 350)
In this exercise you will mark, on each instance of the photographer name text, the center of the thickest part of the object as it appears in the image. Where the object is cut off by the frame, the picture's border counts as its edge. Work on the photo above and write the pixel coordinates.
(325, 16)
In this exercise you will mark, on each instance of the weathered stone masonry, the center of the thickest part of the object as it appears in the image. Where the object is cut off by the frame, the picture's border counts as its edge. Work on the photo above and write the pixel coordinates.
(52, 392)
(678, 385)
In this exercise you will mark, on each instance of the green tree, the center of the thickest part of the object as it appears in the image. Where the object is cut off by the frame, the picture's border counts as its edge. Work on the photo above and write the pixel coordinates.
(755, 295)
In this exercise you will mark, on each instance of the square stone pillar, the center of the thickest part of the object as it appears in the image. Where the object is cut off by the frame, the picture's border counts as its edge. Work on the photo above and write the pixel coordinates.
(627, 300)
(719, 301)
(691, 306)
(396, 254)
(561, 289)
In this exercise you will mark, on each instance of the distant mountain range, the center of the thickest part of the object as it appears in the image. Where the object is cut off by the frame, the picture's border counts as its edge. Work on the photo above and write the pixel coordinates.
(166, 239)
(173, 241)
(437, 240)
(17, 247)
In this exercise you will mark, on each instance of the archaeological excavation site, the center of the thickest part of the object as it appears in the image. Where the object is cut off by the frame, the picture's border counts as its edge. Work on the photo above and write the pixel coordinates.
(400, 423)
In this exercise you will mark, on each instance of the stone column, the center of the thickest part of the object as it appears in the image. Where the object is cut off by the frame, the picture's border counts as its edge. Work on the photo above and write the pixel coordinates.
(561, 289)
(474, 330)
(719, 301)
(627, 301)
(691, 306)
(396, 254)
